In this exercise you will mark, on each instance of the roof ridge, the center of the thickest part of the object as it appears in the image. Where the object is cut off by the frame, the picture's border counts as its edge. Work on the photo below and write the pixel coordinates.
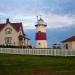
(16, 26)
(72, 38)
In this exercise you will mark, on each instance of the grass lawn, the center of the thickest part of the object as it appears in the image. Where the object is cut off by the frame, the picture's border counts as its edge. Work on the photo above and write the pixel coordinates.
(36, 65)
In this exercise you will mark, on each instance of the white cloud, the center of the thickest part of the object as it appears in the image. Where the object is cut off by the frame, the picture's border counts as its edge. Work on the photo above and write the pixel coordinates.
(53, 21)
(27, 21)
(25, 11)
(58, 21)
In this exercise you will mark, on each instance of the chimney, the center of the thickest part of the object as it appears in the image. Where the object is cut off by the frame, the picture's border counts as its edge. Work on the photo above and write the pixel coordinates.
(7, 20)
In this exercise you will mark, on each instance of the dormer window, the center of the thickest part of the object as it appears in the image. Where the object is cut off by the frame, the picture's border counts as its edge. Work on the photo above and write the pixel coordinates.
(8, 31)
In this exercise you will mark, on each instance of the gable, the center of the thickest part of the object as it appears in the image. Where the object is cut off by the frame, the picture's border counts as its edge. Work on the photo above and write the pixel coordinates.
(16, 26)
(8, 26)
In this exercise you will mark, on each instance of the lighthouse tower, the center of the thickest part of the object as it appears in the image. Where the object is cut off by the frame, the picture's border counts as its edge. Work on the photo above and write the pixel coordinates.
(41, 40)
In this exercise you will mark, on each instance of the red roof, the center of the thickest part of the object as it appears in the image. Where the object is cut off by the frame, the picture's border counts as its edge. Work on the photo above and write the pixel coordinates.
(69, 39)
(16, 26)
(22, 36)
(40, 36)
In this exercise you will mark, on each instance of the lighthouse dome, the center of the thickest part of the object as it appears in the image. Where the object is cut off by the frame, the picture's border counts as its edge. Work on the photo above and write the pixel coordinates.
(40, 21)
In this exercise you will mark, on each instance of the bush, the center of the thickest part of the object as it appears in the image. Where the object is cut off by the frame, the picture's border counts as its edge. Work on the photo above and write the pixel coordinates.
(29, 46)
(11, 46)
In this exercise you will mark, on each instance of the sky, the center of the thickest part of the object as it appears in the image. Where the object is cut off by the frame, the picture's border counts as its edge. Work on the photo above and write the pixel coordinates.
(59, 15)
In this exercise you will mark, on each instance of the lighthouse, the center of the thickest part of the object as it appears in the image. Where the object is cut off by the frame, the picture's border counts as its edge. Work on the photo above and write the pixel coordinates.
(40, 37)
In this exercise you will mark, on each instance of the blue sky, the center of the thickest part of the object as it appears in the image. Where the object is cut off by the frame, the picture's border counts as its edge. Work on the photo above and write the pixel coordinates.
(58, 14)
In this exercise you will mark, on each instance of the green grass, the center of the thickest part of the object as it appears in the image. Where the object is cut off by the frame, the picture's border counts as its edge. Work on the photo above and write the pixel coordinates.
(36, 65)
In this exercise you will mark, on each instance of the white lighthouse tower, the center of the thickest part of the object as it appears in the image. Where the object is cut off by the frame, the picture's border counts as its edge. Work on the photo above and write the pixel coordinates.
(41, 39)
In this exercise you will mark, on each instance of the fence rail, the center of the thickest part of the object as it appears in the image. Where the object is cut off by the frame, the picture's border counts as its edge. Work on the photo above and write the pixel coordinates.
(53, 52)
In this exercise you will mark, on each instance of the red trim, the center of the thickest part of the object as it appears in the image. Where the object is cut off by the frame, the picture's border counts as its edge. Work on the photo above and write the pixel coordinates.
(69, 39)
(40, 36)
(2, 26)
(16, 26)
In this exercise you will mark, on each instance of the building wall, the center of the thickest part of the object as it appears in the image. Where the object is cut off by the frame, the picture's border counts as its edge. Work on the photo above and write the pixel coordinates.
(71, 45)
(26, 42)
(41, 44)
(14, 35)
(41, 28)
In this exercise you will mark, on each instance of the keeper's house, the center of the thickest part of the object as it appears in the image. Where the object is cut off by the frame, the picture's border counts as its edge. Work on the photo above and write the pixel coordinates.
(12, 34)
(69, 43)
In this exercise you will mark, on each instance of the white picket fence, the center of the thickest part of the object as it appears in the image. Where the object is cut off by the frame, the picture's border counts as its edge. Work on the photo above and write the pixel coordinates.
(53, 52)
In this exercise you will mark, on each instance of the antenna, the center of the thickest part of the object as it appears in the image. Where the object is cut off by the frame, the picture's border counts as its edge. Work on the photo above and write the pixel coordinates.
(40, 16)
(37, 18)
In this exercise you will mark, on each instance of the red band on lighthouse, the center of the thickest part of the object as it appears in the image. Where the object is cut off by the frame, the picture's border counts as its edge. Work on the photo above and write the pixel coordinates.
(40, 36)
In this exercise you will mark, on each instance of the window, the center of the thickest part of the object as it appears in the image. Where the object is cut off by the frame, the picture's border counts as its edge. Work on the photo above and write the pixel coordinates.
(8, 40)
(66, 46)
(39, 44)
(8, 31)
